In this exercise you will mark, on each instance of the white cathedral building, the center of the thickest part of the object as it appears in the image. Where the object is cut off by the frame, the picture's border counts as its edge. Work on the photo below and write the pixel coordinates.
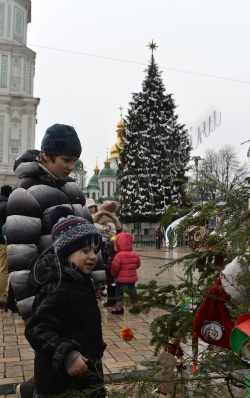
(103, 184)
(18, 107)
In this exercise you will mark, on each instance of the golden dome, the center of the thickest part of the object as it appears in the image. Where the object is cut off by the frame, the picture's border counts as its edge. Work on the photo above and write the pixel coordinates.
(107, 162)
(121, 125)
(115, 150)
(96, 169)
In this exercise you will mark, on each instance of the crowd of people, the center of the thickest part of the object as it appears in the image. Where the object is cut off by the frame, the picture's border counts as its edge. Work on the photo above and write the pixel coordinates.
(58, 253)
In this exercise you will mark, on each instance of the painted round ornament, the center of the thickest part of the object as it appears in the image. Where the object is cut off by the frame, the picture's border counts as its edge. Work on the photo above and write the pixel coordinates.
(240, 338)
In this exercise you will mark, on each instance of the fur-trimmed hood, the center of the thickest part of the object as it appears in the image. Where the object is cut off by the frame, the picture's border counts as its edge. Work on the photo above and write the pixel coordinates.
(104, 216)
(109, 205)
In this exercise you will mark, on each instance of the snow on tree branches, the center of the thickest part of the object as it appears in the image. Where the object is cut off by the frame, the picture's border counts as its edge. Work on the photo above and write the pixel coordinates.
(155, 153)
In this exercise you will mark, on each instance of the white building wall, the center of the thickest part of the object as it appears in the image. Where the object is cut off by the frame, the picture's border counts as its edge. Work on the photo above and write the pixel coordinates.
(14, 17)
(18, 107)
(112, 181)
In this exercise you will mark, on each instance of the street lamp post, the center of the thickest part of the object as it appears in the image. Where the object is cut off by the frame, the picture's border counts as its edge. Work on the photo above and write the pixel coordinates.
(196, 162)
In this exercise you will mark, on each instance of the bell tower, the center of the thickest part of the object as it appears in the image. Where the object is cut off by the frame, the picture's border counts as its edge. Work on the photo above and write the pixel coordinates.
(18, 107)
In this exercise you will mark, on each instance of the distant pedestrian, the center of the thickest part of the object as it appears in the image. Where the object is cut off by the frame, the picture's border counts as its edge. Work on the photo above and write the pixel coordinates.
(110, 280)
(170, 236)
(91, 206)
(124, 269)
(158, 238)
(4, 275)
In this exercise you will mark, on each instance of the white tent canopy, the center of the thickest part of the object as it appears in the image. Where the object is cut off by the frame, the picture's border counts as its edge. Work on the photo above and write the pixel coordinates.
(173, 225)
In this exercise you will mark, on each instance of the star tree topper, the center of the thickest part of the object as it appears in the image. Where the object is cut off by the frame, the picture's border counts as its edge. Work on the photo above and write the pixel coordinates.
(152, 46)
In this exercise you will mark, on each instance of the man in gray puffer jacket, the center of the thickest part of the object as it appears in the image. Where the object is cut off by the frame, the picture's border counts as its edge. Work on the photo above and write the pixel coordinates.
(44, 184)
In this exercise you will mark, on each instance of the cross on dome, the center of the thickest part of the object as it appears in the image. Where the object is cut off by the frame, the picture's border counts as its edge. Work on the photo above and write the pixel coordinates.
(121, 109)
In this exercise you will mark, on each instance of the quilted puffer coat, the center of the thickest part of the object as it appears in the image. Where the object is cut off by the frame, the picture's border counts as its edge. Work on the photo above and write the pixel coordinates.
(28, 226)
(65, 318)
(126, 261)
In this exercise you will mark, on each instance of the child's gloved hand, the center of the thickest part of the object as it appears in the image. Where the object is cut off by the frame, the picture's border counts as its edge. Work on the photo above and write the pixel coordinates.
(78, 366)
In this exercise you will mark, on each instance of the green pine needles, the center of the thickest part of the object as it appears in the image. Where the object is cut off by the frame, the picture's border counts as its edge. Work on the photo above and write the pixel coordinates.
(220, 372)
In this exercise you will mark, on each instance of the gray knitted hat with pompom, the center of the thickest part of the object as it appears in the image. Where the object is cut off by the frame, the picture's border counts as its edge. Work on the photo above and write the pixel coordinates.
(70, 233)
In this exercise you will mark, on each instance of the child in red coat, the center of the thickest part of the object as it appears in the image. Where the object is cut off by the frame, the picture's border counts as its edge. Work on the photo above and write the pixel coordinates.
(124, 267)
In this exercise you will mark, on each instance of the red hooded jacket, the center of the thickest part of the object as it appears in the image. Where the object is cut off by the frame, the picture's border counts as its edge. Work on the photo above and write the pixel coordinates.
(126, 261)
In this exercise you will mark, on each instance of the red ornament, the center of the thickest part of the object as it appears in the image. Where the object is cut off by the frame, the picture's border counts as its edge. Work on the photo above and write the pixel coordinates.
(171, 348)
(179, 352)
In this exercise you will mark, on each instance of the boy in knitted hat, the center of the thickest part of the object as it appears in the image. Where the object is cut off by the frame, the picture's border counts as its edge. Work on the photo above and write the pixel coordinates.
(44, 183)
(65, 327)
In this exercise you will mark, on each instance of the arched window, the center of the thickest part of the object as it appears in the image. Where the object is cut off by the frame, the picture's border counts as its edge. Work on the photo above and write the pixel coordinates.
(93, 195)
(102, 188)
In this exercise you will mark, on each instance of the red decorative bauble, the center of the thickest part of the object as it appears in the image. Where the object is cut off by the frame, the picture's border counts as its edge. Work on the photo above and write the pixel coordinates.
(171, 348)
(179, 352)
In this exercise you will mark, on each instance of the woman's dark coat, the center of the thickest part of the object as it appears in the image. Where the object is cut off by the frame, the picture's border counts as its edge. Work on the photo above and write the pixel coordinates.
(65, 317)
(109, 246)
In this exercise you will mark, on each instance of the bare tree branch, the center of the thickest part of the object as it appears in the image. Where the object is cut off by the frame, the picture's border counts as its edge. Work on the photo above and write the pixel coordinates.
(219, 171)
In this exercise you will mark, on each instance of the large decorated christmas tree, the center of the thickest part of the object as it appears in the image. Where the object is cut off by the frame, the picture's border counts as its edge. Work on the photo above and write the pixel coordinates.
(155, 153)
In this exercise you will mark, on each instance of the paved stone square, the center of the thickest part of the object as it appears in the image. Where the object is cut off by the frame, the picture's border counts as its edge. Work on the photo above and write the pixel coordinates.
(16, 359)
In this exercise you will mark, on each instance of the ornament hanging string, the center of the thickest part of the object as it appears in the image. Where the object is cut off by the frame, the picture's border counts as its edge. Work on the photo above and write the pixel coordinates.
(126, 333)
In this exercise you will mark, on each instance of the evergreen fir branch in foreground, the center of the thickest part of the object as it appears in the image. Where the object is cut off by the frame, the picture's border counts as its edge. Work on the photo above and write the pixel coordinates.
(219, 371)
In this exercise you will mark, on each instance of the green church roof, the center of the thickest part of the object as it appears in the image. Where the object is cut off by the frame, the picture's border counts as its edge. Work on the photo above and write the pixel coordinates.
(94, 179)
(93, 186)
(79, 164)
(107, 172)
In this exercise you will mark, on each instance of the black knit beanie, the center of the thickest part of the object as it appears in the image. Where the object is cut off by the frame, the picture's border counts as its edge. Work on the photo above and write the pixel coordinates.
(70, 233)
(61, 139)
(6, 190)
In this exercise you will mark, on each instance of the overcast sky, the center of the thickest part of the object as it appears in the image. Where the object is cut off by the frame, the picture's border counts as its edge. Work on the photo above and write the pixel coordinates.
(204, 37)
